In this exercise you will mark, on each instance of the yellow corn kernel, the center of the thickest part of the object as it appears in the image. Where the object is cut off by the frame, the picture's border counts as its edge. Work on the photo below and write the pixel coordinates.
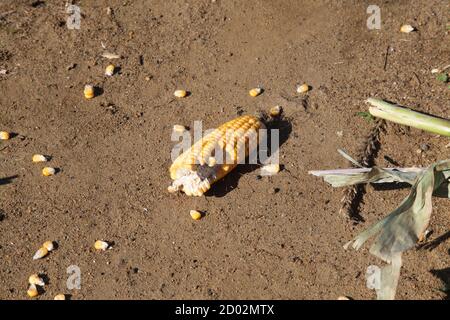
(32, 291)
(270, 169)
(303, 88)
(4, 135)
(48, 171)
(179, 128)
(49, 245)
(39, 158)
(180, 93)
(215, 155)
(195, 215)
(89, 91)
(407, 28)
(60, 297)
(255, 92)
(36, 280)
(109, 71)
(101, 245)
(42, 252)
(275, 111)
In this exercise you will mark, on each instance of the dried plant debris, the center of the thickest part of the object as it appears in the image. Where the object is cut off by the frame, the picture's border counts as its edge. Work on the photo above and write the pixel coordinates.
(352, 196)
(404, 227)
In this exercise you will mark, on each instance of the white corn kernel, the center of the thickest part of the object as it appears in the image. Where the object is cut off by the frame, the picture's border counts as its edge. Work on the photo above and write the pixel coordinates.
(4, 135)
(275, 111)
(36, 280)
(101, 245)
(303, 88)
(60, 297)
(255, 92)
(109, 71)
(407, 28)
(48, 171)
(179, 128)
(49, 245)
(39, 158)
(180, 93)
(88, 91)
(42, 252)
(32, 291)
(195, 215)
(270, 169)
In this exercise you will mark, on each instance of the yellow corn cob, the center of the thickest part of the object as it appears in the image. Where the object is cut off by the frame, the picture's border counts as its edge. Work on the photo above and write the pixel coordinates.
(195, 170)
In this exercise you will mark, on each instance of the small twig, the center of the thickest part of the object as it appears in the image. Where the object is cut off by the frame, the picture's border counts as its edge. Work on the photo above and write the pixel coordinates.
(386, 58)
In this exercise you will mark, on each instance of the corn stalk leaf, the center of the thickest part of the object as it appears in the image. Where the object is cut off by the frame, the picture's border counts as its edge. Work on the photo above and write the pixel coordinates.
(403, 227)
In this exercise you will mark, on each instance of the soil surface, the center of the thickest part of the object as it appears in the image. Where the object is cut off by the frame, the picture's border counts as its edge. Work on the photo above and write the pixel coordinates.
(278, 237)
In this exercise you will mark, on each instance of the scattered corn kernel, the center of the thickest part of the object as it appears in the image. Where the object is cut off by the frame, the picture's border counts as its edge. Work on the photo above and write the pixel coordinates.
(101, 245)
(60, 297)
(42, 252)
(49, 245)
(39, 158)
(36, 280)
(270, 169)
(343, 298)
(48, 171)
(88, 91)
(32, 291)
(195, 214)
(180, 93)
(303, 88)
(255, 92)
(435, 70)
(275, 111)
(407, 28)
(4, 135)
(179, 128)
(109, 71)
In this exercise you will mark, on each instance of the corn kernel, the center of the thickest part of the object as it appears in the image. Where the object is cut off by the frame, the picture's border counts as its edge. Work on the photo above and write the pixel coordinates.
(270, 169)
(180, 93)
(42, 252)
(179, 128)
(407, 28)
(32, 291)
(255, 92)
(89, 91)
(49, 245)
(4, 135)
(101, 245)
(195, 214)
(48, 171)
(39, 158)
(275, 111)
(36, 280)
(303, 88)
(109, 71)
(60, 297)
(343, 298)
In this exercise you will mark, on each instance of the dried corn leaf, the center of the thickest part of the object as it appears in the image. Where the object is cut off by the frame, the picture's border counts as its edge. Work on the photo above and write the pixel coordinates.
(405, 226)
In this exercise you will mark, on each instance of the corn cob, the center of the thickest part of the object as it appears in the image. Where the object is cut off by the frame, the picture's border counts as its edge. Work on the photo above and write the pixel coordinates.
(215, 155)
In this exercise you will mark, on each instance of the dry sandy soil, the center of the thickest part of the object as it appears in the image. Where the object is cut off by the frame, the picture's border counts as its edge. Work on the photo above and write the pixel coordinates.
(114, 151)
